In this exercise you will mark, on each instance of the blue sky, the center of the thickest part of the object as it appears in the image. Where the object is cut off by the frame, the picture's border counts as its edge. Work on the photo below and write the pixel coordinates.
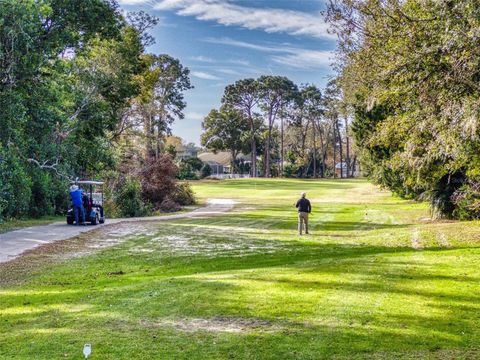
(224, 41)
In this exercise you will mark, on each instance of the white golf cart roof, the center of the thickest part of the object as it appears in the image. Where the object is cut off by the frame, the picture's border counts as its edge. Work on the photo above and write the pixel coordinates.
(88, 182)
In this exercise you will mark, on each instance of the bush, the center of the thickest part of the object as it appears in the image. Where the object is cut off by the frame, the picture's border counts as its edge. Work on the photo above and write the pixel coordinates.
(43, 194)
(290, 171)
(158, 180)
(206, 171)
(186, 172)
(184, 195)
(195, 163)
(16, 186)
(169, 205)
(128, 198)
(467, 201)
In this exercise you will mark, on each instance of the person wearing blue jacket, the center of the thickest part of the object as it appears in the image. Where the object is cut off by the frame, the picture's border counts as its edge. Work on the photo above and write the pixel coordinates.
(77, 201)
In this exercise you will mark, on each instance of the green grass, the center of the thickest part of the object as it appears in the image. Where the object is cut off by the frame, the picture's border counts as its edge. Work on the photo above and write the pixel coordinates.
(375, 280)
(14, 224)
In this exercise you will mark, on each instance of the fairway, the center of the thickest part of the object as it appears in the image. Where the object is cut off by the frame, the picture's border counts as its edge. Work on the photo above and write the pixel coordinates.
(375, 279)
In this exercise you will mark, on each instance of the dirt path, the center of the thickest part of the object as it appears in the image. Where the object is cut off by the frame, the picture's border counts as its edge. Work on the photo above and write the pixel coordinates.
(14, 243)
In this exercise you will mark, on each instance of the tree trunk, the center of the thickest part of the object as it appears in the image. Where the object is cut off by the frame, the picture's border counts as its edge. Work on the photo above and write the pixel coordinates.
(233, 162)
(348, 148)
(322, 144)
(159, 140)
(334, 141)
(253, 164)
(340, 150)
(324, 160)
(281, 150)
(253, 145)
(147, 126)
(266, 170)
(314, 151)
(354, 165)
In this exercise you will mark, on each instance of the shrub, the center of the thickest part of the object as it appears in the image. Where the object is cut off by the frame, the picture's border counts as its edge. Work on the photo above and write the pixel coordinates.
(290, 171)
(186, 172)
(128, 198)
(169, 205)
(195, 163)
(206, 171)
(43, 193)
(16, 186)
(184, 195)
(158, 180)
(467, 201)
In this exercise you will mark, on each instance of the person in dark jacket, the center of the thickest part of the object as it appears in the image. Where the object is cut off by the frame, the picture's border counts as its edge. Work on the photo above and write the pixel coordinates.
(304, 208)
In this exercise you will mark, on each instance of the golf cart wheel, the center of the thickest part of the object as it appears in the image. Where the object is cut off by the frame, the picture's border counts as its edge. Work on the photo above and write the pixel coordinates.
(95, 220)
(70, 221)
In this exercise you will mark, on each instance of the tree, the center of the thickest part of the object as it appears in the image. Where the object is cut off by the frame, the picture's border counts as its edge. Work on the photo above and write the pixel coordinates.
(223, 131)
(162, 100)
(206, 171)
(410, 71)
(244, 96)
(313, 103)
(42, 101)
(275, 92)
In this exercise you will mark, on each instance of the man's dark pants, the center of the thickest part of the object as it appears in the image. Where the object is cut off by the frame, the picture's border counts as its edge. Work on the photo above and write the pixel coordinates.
(79, 211)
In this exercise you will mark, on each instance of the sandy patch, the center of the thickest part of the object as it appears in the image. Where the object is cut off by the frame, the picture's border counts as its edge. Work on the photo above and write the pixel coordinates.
(416, 240)
(208, 242)
(216, 324)
(221, 202)
(442, 240)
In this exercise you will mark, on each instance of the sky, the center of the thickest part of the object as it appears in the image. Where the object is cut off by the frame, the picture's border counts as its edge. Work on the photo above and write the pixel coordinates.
(222, 41)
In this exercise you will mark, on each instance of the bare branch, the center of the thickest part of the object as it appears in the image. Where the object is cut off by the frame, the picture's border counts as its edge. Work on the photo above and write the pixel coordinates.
(49, 165)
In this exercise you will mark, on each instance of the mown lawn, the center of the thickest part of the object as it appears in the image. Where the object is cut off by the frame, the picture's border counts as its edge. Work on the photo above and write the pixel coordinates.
(375, 280)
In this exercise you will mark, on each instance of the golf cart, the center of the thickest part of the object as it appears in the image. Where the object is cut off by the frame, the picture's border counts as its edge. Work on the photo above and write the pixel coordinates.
(92, 202)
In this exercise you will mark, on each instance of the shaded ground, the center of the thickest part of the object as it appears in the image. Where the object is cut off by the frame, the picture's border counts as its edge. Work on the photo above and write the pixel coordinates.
(375, 280)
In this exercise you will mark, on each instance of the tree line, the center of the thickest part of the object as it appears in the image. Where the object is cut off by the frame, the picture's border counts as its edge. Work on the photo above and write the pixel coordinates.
(409, 74)
(288, 130)
(80, 97)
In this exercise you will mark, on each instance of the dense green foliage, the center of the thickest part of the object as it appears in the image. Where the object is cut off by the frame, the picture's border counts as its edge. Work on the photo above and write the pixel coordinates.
(410, 71)
(71, 75)
(57, 97)
(128, 198)
(225, 130)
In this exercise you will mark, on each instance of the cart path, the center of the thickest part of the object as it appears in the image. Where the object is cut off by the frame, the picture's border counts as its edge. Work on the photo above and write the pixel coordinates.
(14, 243)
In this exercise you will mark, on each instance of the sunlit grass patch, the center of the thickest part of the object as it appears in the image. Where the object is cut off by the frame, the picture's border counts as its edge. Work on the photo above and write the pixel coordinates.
(244, 285)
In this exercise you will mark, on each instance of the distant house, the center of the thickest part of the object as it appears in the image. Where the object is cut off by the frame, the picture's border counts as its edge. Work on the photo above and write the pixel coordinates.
(186, 151)
(221, 162)
(341, 169)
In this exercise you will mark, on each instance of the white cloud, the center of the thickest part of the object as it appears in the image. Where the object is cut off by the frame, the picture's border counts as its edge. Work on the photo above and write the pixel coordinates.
(135, 2)
(304, 59)
(202, 58)
(239, 62)
(270, 20)
(228, 71)
(244, 44)
(285, 55)
(192, 115)
(204, 75)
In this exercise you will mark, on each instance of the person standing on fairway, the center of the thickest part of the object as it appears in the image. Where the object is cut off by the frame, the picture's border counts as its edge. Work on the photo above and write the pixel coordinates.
(304, 208)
